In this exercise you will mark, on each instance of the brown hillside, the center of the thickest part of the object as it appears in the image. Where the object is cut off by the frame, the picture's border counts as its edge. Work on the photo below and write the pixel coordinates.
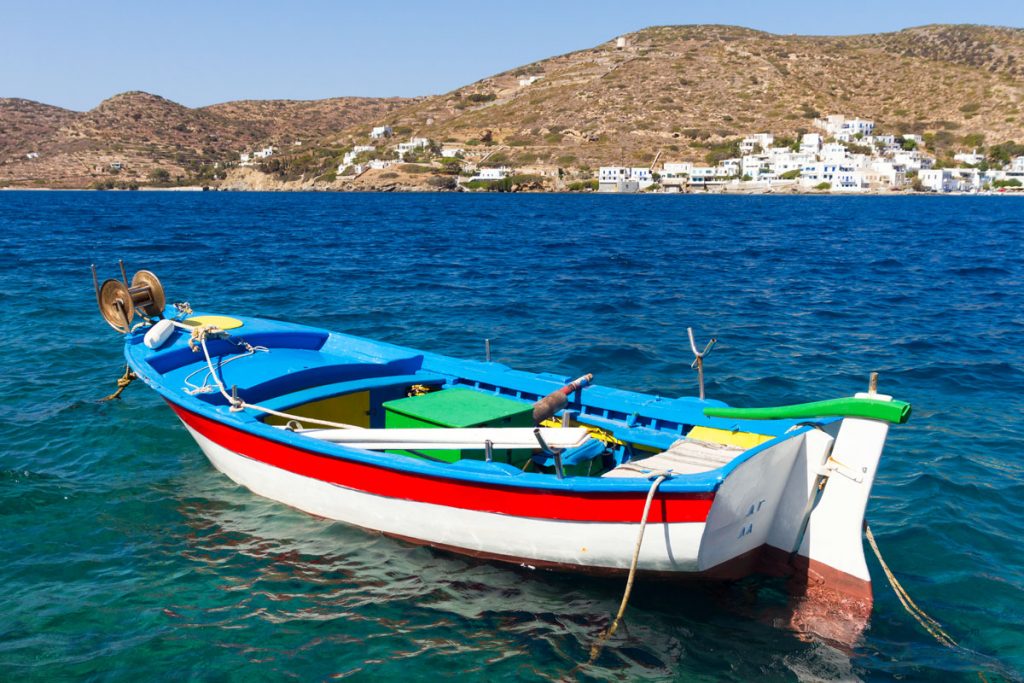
(143, 132)
(672, 93)
(679, 90)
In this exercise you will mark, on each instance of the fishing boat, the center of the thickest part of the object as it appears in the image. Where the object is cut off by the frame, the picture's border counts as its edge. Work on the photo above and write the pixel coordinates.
(536, 469)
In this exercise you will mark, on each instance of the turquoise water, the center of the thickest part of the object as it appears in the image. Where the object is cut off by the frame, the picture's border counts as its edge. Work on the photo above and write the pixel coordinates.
(126, 556)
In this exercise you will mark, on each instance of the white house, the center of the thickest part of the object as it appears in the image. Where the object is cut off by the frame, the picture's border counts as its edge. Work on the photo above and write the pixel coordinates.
(379, 164)
(451, 152)
(642, 176)
(675, 169)
(116, 165)
(842, 128)
(889, 174)
(781, 163)
(612, 174)
(762, 140)
(937, 180)
(32, 155)
(414, 143)
(263, 153)
(523, 82)
(834, 151)
(244, 159)
(708, 175)
(753, 166)
(1017, 165)
(810, 143)
(969, 158)
(620, 43)
(849, 178)
(492, 173)
(379, 132)
(912, 160)
(818, 172)
(967, 179)
(616, 179)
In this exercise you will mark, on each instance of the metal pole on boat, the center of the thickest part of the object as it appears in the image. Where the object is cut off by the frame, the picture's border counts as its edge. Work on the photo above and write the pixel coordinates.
(699, 358)
(487, 350)
(488, 450)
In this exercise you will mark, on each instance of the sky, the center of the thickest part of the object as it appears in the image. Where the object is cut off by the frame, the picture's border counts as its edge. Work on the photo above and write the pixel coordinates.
(75, 54)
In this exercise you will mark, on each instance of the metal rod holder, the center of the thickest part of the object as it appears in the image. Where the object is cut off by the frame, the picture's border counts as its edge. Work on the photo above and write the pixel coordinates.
(487, 350)
(554, 453)
(488, 450)
(699, 358)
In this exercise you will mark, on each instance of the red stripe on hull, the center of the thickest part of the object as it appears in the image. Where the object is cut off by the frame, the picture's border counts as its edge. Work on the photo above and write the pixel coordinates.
(535, 503)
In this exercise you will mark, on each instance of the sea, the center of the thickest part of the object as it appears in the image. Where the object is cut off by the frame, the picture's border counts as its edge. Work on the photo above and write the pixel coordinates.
(125, 556)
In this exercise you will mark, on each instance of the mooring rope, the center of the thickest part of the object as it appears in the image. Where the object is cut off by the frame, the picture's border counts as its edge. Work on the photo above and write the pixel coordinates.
(595, 649)
(933, 627)
(122, 383)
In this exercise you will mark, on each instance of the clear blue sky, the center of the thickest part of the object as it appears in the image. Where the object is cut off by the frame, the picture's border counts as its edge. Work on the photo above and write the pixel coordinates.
(75, 54)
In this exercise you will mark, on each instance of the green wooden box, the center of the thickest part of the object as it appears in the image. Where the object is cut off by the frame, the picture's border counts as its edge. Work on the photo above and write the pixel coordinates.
(460, 408)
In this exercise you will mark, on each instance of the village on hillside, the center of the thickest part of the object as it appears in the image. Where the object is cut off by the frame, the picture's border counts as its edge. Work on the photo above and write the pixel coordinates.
(843, 155)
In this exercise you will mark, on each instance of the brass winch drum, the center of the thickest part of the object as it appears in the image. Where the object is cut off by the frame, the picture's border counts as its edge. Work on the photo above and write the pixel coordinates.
(119, 301)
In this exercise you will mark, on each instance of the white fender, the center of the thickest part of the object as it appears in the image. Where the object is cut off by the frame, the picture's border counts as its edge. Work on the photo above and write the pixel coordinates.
(158, 334)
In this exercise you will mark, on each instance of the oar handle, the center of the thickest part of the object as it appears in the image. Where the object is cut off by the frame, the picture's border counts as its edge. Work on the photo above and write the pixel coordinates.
(897, 412)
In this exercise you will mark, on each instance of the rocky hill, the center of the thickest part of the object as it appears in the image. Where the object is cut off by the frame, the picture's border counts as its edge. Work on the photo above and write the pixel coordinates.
(683, 90)
(129, 136)
(666, 93)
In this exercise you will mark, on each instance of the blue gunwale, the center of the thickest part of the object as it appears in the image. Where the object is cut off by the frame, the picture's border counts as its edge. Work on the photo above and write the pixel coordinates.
(631, 414)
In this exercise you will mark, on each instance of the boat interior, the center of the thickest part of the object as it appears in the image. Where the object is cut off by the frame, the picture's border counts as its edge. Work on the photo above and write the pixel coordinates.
(432, 407)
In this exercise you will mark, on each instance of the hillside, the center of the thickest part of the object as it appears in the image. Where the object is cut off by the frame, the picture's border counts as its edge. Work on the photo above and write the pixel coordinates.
(681, 93)
(680, 90)
(142, 132)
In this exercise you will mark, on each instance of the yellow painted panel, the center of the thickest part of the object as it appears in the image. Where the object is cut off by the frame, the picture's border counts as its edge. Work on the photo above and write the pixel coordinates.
(221, 321)
(350, 409)
(725, 437)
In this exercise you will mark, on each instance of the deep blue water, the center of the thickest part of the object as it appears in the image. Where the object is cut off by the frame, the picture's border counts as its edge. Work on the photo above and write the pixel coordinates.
(126, 556)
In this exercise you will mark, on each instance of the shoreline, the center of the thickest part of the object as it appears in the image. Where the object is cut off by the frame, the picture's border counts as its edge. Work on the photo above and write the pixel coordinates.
(699, 193)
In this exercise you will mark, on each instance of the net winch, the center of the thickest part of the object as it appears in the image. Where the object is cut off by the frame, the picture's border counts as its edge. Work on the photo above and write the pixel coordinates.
(119, 300)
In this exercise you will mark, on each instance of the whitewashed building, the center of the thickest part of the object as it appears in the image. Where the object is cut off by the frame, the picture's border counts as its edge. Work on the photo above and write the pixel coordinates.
(244, 159)
(379, 132)
(969, 158)
(493, 173)
(833, 151)
(530, 80)
(676, 169)
(810, 143)
(264, 153)
(888, 174)
(938, 180)
(415, 143)
(709, 175)
(842, 128)
(616, 179)
(452, 152)
(32, 155)
(751, 142)
(642, 176)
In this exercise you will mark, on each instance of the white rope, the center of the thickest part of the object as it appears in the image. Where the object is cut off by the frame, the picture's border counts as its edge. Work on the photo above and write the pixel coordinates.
(238, 404)
(205, 387)
(595, 649)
